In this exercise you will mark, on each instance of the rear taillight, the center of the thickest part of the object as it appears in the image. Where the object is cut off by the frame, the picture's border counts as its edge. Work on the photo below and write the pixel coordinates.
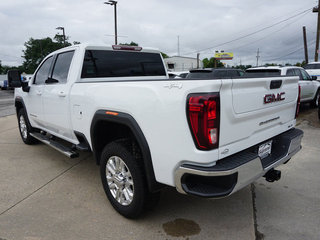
(203, 112)
(298, 103)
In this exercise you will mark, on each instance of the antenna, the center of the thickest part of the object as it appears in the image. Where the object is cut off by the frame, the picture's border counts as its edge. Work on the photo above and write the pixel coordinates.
(178, 45)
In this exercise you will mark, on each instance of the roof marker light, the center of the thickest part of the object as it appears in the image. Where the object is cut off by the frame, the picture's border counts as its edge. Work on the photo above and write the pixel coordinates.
(125, 47)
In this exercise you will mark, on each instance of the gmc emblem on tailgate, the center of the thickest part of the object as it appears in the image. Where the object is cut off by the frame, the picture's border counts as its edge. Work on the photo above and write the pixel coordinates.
(269, 98)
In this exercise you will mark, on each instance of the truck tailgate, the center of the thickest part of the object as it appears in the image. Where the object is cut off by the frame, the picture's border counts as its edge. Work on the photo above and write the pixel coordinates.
(261, 108)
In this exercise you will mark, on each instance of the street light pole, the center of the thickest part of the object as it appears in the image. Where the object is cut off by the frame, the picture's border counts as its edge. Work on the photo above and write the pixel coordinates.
(316, 10)
(64, 35)
(114, 3)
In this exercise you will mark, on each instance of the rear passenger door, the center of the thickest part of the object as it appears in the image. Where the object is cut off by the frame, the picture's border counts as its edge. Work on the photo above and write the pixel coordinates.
(56, 97)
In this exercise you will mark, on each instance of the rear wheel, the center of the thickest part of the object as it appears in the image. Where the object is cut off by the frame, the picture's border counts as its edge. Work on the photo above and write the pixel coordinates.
(123, 180)
(315, 102)
(319, 109)
(25, 128)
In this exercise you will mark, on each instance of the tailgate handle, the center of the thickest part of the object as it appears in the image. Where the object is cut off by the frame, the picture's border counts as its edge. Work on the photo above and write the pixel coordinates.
(275, 84)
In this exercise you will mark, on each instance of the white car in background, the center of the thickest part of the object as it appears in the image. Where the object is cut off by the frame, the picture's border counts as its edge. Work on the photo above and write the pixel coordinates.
(310, 87)
(178, 74)
(27, 77)
(182, 74)
(313, 69)
(3, 81)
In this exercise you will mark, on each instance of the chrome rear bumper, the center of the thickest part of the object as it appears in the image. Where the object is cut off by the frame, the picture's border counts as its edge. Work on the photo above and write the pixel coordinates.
(237, 171)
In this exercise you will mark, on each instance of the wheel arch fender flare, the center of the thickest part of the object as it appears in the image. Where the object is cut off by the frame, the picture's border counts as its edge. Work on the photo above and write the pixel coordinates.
(128, 121)
(19, 103)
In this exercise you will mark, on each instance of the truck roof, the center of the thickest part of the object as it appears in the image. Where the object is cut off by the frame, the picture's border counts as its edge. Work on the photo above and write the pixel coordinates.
(85, 46)
(272, 68)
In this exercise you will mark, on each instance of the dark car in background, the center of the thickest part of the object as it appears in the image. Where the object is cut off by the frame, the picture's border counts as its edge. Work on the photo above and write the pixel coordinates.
(217, 73)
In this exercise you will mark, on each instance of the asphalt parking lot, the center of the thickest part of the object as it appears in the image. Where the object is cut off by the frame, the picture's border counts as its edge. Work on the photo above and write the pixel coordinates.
(6, 103)
(45, 195)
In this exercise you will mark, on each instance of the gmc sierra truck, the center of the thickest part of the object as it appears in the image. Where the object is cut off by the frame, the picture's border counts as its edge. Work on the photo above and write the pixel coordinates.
(205, 137)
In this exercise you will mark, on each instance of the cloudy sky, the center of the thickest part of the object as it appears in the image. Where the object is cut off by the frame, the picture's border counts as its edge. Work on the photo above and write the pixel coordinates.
(204, 26)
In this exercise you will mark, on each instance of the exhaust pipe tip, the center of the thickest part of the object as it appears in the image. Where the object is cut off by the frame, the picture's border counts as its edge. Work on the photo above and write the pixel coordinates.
(272, 175)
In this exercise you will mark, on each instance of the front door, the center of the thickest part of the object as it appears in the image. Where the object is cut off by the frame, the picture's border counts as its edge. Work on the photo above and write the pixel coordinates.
(35, 95)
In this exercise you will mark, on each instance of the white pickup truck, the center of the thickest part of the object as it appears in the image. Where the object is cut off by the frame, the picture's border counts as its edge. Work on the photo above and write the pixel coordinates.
(309, 85)
(205, 137)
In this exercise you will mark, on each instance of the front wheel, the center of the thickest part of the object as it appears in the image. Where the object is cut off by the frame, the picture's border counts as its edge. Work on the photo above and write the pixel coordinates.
(315, 102)
(123, 180)
(24, 128)
(319, 110)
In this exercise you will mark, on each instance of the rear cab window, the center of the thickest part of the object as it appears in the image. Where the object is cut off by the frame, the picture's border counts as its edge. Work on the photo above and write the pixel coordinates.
(263, 73)
(110, 64)
(200, 74)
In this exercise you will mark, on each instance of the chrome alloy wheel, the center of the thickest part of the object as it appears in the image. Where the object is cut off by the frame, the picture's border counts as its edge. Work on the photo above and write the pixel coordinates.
(23, 127)
(119, 180)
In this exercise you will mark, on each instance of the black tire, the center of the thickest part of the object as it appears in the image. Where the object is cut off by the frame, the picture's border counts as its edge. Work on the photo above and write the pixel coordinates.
(315, 101)
(25, 128)
(141, 198)
(319, 111)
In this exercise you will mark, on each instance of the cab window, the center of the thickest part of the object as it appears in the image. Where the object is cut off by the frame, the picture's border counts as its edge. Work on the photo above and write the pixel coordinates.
(305, 75)
(43, 73)
(292, 72)
(62, 66)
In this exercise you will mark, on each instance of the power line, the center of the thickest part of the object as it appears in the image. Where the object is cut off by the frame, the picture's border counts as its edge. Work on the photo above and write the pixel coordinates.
(250, 34)
(309, 43)
(270, 34)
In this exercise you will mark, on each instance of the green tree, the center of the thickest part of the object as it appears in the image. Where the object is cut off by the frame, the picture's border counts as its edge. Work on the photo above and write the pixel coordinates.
(210, 63)
(59, 39)
(1, 68)
(37, 49)
(6, 68)
(164, 55)
(243, 67)
(272, 64)
(129, 44)
(298, 64)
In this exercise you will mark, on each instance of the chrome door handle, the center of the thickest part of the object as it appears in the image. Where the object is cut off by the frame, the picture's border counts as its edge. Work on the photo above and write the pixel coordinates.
(39, 93)
(62, 94)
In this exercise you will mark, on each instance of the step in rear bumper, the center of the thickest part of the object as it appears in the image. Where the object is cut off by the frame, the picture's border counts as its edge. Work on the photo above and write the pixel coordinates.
(237, 171)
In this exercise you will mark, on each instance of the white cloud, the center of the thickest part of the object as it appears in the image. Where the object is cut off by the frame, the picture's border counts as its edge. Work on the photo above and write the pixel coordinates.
(200, 24)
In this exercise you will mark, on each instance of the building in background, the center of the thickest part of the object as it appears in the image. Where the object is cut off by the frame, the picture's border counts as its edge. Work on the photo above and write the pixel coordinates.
(180, 64)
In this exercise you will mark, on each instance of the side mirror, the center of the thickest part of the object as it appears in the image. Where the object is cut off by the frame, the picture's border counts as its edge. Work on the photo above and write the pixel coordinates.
(51, 81)
(14, 79)
(314, 77)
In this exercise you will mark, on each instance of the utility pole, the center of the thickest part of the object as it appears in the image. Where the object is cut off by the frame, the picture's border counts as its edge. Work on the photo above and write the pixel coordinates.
(316, 10)
(258, 56)
(178, 45)
(114, 3)
(305, 44)
(198, 55)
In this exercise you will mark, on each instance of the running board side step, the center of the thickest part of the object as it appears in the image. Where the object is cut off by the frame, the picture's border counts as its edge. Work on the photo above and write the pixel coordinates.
(57, 146)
